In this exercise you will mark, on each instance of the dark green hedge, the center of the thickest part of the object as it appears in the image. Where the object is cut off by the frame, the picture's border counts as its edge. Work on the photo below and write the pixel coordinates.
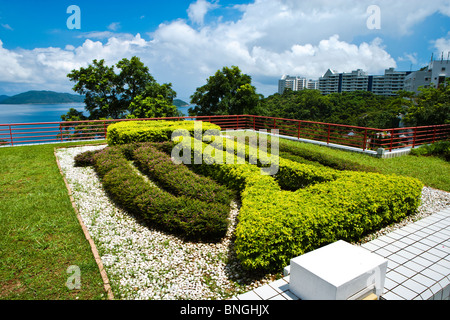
(190, 217)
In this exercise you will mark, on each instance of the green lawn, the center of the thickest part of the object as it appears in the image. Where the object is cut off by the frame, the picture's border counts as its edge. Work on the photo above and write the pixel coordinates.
(40, 234)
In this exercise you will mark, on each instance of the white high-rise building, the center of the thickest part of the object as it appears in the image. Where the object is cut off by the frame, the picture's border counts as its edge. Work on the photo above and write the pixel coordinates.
(359, 80)
(433, 75)
(296, 83)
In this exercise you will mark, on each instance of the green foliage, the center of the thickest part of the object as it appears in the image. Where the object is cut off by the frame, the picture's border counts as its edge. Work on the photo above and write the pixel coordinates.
(177, 179)
(190, 218)
(148, 131)
(359, 108)
(325, 159)
(431, 106)
(439, 149)
(228, 91)
(133, 91)
(85, 159)
(152, 107)
(304, 207)
(73, 115)
(99, 84)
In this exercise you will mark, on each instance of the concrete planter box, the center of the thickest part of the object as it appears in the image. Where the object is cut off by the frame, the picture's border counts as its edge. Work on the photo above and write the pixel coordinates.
(338, 271)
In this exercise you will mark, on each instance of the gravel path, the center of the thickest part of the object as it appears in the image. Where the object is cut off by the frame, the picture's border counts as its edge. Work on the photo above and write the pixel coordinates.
(143, 263)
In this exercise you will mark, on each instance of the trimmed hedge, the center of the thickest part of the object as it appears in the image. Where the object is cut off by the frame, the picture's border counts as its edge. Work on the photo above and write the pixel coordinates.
(152, 130)
(187, 217)
(276, 225)
(85, 159)
(301, 208)
(178, 179)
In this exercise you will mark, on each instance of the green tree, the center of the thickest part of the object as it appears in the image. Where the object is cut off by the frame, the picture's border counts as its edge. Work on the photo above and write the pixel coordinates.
(301, 105)
(100, 84)
(131, 91)
(431, 106)
(228, 91)
(152, 107)
(73, 115)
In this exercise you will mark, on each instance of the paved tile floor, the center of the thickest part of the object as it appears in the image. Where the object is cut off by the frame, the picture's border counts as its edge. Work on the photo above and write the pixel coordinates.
(418, 263)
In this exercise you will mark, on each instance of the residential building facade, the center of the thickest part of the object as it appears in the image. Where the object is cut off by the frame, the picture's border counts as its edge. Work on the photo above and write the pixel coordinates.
(296, 83)
(358, 80)
(433, 75)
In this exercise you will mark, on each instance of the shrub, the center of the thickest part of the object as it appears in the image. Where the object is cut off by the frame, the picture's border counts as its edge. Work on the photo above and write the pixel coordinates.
(85, 159)
(152, 131)
(324, 205)
(323, 158)
(178, 179)
(439, 149)
(188, 217)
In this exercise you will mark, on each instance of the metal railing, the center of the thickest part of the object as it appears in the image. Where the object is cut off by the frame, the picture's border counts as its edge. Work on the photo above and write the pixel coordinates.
(352, 136)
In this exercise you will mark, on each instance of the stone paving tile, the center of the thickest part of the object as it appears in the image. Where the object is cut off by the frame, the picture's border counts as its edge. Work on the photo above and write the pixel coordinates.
(266, 292)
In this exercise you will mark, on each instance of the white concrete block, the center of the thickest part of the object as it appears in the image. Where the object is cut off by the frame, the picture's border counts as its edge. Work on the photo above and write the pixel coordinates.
(337, 271)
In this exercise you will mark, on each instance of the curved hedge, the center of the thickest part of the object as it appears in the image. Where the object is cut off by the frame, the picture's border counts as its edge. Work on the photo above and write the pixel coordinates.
(323, 206)
(301, 208)
(200, 218)
(152, 130)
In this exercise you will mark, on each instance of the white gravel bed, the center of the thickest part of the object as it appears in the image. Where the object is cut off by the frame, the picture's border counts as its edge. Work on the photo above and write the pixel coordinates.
(143, 263)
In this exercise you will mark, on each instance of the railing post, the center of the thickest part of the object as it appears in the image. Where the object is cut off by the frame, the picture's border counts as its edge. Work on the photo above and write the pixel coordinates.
(365, 140)
(414, 137)
(254, 123)
(298, 129)
(11, 136)
(434, 133)
(328, 136)
(392, 140)
(237, 121)
(60, 131)
(274, 123)
(104, 128)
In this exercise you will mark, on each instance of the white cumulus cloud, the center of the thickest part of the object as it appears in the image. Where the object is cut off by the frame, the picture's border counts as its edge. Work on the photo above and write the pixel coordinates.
(197, 10)
(269, 39)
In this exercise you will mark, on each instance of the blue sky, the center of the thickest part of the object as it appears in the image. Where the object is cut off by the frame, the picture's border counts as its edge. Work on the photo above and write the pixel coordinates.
(184, 42)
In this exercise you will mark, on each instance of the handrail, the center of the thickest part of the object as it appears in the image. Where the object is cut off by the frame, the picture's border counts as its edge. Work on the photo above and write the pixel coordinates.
(364, 138)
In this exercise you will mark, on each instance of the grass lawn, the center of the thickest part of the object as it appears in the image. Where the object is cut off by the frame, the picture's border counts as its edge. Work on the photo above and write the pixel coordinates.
(40, 234)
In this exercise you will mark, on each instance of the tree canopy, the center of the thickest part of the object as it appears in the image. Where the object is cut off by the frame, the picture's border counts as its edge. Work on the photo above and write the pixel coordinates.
(131, 92)
(128, 90)
(228, 91)
(431, 106)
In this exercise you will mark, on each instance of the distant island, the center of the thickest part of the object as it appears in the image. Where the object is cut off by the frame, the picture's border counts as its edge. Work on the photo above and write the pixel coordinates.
(44, 97)
(180, 103)
(50, 97)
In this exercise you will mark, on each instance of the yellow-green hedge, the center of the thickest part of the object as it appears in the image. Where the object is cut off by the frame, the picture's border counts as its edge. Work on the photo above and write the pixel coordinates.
(152, 130)
(304, 207)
